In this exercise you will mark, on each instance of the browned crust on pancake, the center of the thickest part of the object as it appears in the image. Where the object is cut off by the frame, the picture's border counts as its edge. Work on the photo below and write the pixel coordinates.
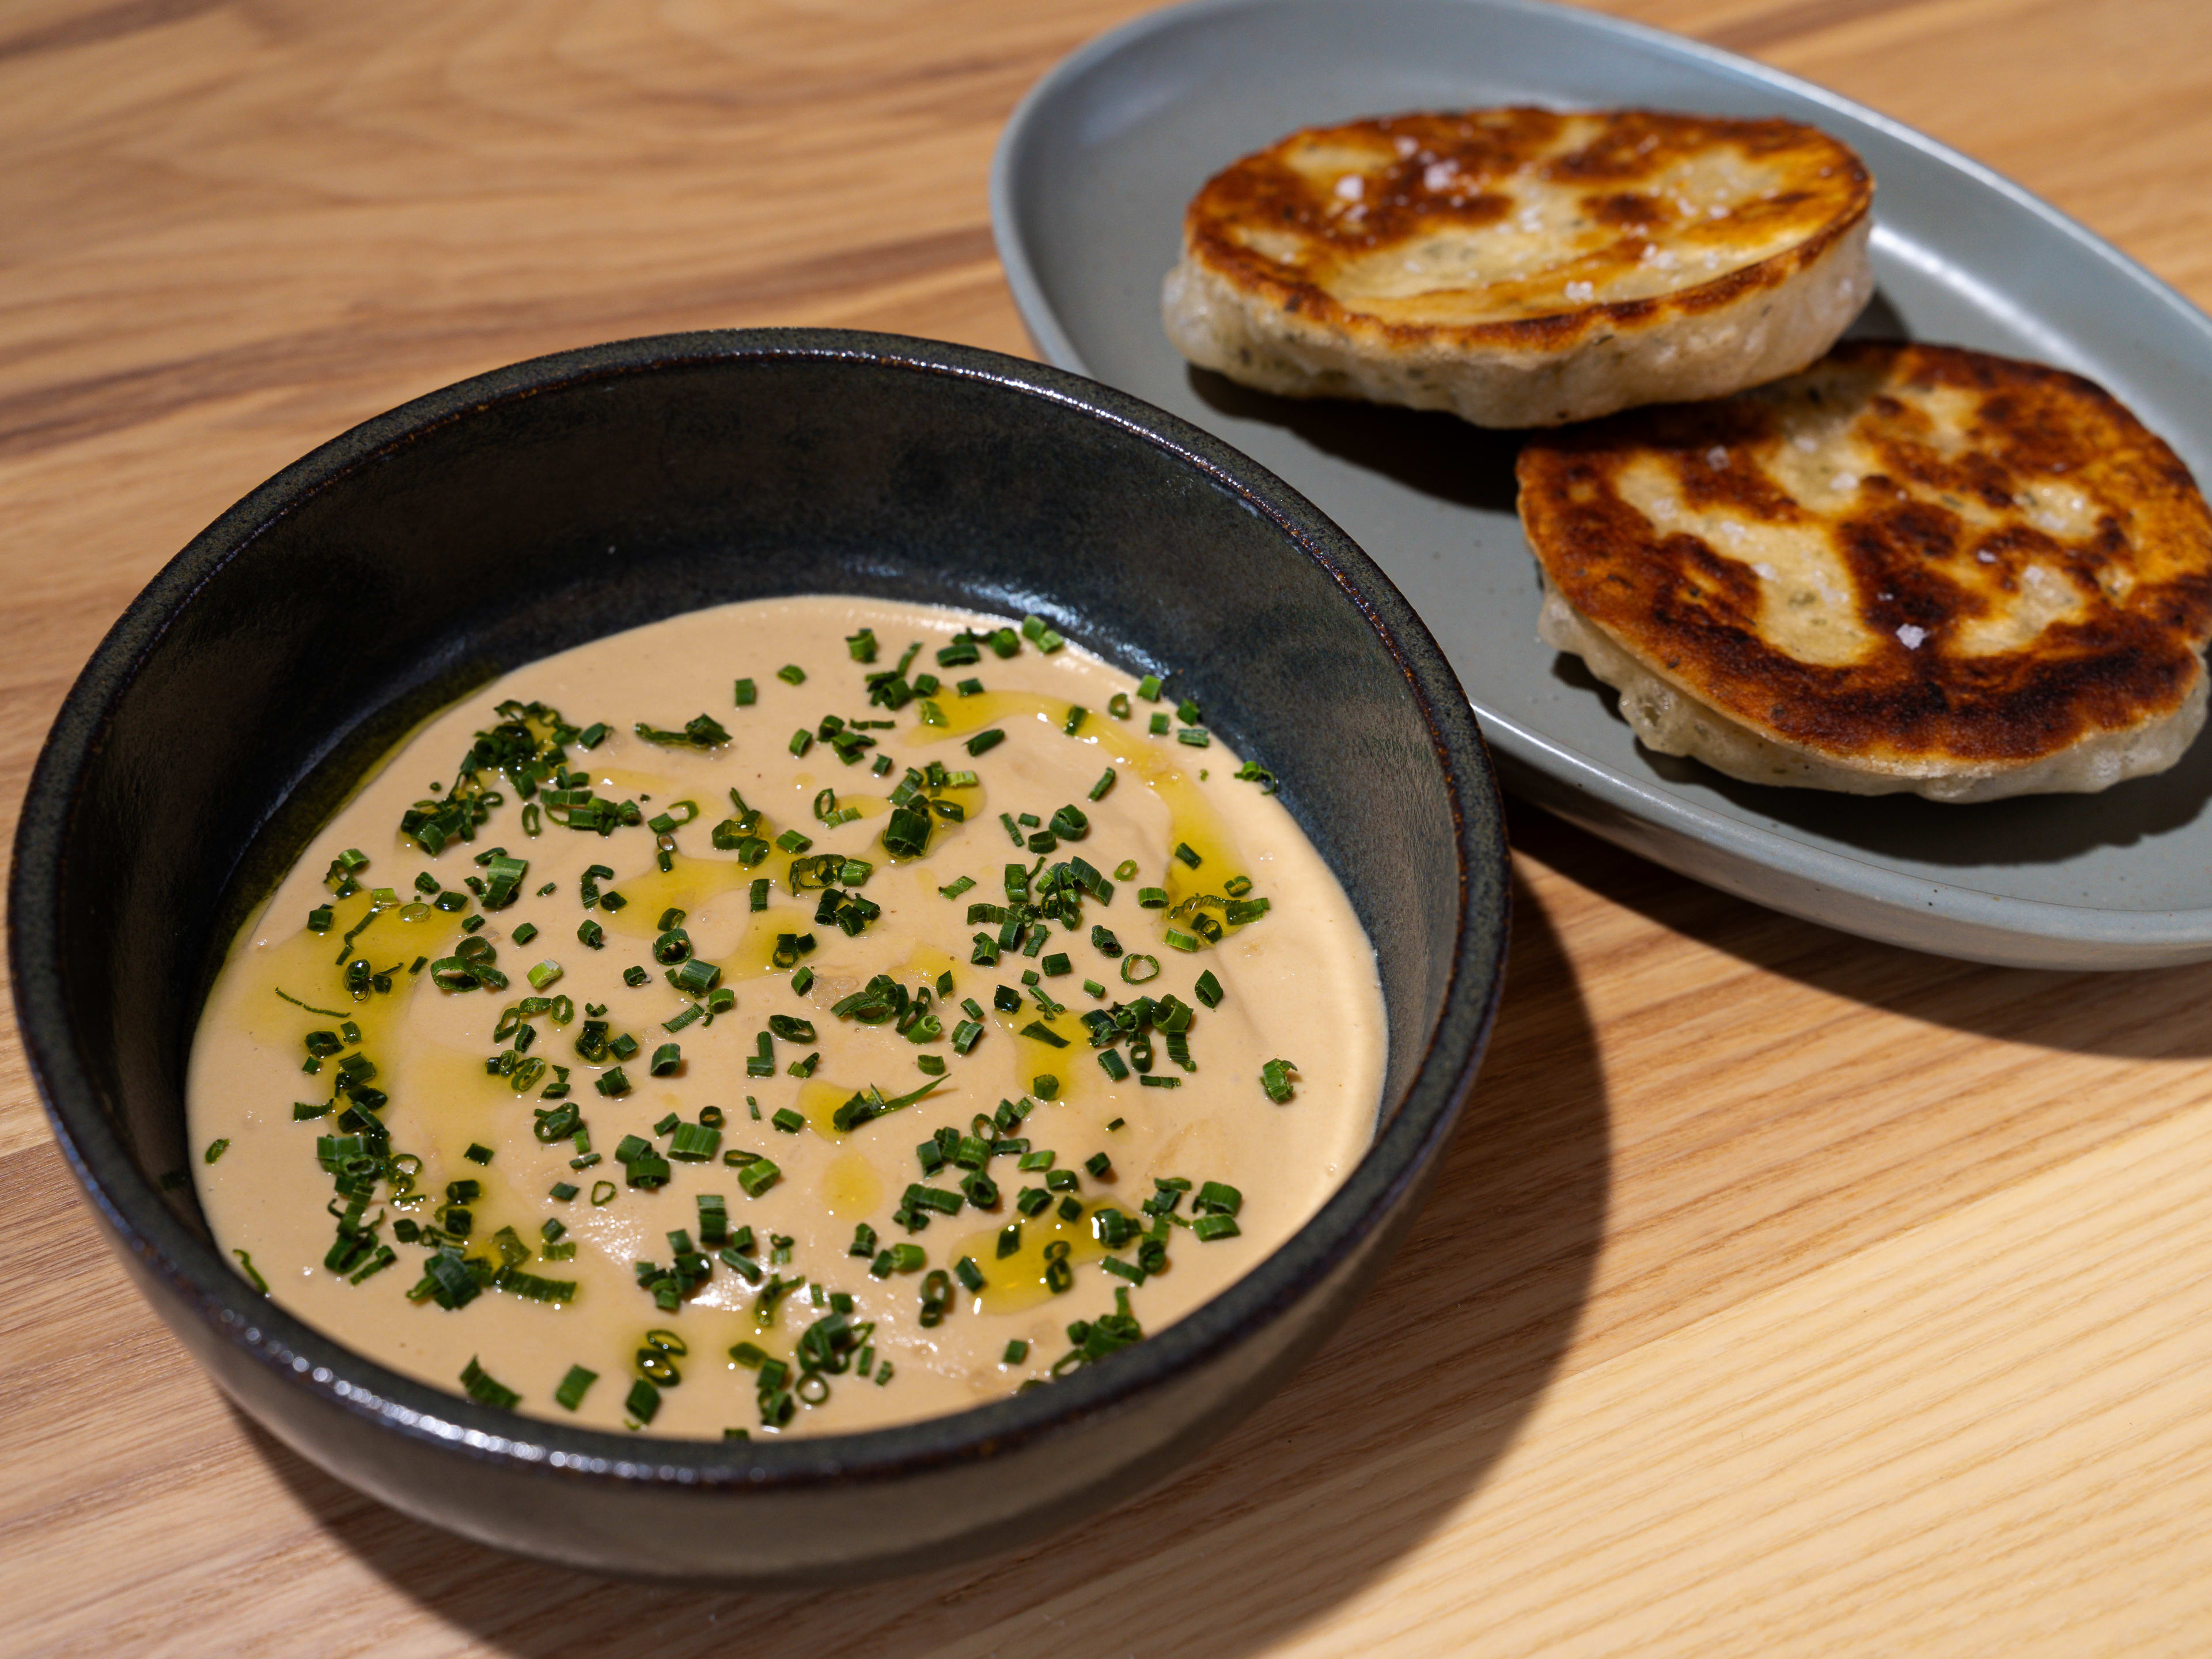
(1830, 191)
(1691, 612)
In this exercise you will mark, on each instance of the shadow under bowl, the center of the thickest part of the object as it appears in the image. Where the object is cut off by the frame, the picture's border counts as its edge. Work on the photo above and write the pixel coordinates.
(529, 510)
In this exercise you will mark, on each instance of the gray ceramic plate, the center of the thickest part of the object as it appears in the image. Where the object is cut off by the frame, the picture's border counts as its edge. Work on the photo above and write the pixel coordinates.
(1087, 196)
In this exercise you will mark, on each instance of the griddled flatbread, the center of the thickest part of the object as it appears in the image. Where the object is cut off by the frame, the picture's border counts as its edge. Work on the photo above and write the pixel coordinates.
(1524, 267)
(1910, 568)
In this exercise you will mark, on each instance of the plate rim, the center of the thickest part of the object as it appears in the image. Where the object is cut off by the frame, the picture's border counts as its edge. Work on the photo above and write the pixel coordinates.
(2014, 932)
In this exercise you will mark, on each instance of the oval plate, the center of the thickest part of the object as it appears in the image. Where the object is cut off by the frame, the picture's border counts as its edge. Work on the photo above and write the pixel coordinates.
(1087, 195)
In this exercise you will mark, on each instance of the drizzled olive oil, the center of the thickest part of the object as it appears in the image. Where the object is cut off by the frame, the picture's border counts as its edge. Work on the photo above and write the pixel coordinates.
(698, 1066)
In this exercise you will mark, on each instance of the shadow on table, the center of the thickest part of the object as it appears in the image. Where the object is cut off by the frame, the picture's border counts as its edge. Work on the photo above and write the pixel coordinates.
(1368, 1450)
(2140, 1015)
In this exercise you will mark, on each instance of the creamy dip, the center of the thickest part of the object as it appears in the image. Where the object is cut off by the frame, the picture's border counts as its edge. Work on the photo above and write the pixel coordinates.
(526, 1132)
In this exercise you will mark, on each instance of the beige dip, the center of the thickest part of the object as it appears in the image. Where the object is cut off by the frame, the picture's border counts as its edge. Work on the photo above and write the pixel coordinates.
(1296, 983)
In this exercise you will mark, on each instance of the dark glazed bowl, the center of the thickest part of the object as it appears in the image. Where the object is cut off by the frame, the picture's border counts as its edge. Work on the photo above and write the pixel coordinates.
(529, 510)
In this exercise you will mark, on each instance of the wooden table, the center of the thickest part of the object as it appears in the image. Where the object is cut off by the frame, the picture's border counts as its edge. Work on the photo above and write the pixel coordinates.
(1786, 1294)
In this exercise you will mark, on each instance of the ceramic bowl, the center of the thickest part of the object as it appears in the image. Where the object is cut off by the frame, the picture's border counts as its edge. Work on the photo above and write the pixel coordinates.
(531, 509)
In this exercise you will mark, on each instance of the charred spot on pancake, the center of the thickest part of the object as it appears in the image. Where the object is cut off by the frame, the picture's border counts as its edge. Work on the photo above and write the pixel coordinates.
(1623, 208)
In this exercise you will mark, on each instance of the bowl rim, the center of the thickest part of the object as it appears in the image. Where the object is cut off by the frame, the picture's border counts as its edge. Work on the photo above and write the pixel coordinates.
(141, 1226)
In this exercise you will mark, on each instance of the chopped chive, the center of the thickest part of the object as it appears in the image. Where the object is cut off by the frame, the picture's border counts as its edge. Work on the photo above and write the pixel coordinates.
(701, 732)
(479, 1385)
(983, 742)
(574, 1387)
(216, 1150)
(1158, 726)
(792, 674)
(744, 694)
(1209, 989)
(477, 1152)
(1076, 716)
(1105, 783)
(1016, 1350)
(1216, 1198)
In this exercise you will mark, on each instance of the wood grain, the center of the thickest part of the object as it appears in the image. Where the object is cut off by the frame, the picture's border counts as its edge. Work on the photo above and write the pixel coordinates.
(1786, 1294)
